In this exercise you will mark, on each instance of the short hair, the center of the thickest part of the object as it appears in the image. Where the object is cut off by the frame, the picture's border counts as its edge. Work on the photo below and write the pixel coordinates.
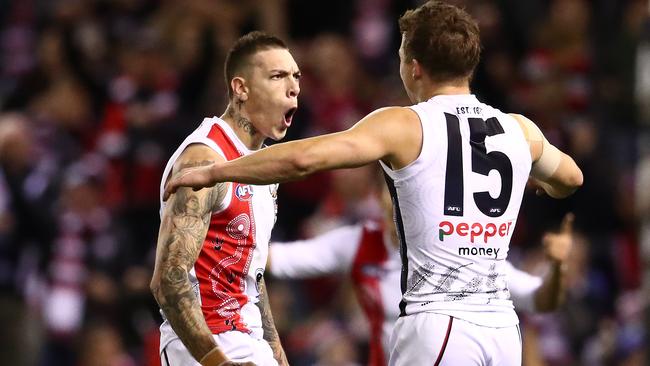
(244, 48)
(443, 38)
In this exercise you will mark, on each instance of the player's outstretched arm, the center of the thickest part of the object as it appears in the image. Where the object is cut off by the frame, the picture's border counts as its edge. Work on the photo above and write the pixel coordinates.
(557, 246)
(392, 134)
(554, 171)
(183, 227)
(270, 332)
(328, 253)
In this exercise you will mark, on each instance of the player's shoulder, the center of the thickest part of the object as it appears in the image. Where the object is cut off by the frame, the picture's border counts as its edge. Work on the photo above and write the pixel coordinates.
(521, 119)
(198, 151)
(394, 112)
(528, 127)
(392, 119)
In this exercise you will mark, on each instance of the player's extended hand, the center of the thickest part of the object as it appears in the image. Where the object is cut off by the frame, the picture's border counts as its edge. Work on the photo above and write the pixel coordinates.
(557, 246)
(196, 178)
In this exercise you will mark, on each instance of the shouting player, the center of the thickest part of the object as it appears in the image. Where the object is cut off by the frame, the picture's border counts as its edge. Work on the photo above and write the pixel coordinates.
(213, 242)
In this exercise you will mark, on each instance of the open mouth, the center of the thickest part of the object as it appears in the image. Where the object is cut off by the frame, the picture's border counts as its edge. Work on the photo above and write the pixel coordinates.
(288, 116)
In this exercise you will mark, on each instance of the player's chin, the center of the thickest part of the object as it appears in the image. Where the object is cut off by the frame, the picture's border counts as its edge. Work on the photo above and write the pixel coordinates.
(278, 133)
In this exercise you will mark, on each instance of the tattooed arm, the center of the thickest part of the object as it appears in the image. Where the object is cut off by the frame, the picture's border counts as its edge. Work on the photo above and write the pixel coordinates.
(183, 227)
(270, 333)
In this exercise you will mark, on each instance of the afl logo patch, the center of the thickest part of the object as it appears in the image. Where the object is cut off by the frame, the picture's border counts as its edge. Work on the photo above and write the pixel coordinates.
(244, 192)
(259, 275)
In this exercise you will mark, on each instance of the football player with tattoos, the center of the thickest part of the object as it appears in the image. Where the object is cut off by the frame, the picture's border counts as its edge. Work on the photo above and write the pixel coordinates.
(456, 169)
(213, 243)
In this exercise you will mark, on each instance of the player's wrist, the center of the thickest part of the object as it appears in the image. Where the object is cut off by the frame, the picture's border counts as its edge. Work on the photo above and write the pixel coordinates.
(214, 357)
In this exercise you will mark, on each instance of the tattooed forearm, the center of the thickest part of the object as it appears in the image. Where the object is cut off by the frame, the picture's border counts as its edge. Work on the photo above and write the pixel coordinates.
(182, 231)
(270, 333)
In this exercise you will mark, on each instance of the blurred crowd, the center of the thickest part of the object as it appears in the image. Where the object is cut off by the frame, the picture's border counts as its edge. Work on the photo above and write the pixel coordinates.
(96, 94)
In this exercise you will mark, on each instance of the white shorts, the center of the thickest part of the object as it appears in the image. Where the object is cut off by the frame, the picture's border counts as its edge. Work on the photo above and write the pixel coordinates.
(238, 346)
(440, 340)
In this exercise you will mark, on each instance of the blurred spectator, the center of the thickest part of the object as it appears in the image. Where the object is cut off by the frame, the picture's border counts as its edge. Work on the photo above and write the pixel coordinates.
(102, 346)
(351, 199)
(339, 90)
(26, 231)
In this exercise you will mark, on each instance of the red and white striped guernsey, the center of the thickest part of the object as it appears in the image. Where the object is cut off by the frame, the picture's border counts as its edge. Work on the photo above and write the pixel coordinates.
(234, 252)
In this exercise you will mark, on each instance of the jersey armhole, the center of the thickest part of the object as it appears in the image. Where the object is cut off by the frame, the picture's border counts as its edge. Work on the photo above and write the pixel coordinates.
(405, 172)
(531, 133)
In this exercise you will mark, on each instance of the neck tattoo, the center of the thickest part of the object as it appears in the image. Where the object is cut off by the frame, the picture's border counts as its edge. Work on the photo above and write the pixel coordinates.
(246, 125)
(242, 122)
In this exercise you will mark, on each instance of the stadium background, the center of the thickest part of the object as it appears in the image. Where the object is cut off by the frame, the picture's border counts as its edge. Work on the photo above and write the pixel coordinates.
(96, 94)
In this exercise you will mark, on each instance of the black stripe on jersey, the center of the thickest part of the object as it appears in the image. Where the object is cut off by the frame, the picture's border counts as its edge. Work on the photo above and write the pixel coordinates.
(166, 358)
(399, 224)
(454, 170)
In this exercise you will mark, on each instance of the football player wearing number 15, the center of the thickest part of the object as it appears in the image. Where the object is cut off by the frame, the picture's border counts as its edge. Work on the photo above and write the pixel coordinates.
(456, 169)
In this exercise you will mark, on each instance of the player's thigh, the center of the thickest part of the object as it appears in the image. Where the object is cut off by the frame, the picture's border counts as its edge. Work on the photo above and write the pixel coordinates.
(433, 339)
(472, 344)
(507, 346)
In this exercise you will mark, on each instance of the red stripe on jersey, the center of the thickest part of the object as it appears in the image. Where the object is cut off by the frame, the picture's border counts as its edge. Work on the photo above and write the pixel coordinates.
(367, 271)
(224, 261)
(219, 136)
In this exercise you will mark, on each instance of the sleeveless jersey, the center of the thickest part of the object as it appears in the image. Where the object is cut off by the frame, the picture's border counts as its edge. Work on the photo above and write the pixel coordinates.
(234, 252)
(456, 207)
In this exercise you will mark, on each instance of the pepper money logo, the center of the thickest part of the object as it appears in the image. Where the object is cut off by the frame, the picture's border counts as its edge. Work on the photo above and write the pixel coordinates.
(475, 230)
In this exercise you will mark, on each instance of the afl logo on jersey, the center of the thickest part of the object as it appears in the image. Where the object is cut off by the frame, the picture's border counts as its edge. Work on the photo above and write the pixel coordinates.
(244, 192)
(259, 275)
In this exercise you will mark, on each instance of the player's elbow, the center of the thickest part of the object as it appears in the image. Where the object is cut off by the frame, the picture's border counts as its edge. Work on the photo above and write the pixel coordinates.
(572, 182)
(166, 283)
(154, 287)
(342, 152)
(303, 164)
(573, 178)
(576, 179)
(566, 183)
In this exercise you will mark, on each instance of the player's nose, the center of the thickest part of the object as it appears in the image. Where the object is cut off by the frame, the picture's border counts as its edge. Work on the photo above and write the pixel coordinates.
(294, 89)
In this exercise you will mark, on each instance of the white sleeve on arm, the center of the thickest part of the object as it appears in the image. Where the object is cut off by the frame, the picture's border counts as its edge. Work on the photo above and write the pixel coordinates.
(522, 287)
(331, 252)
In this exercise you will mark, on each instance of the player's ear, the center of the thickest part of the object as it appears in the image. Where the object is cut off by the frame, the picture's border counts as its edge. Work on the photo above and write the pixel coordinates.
(416, 69)
(239, 88)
